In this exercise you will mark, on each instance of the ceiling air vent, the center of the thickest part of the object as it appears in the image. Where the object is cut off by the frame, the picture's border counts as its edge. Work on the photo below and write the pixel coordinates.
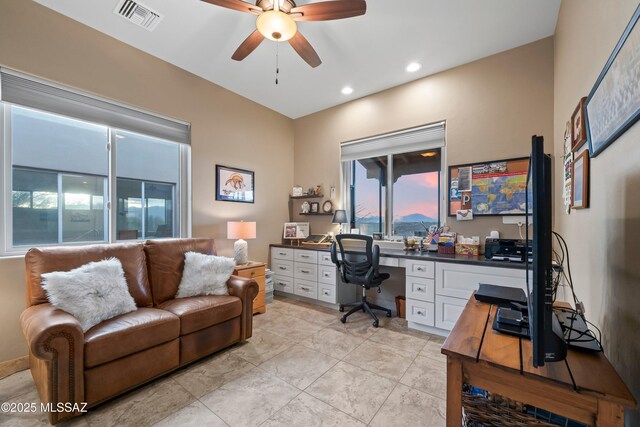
(138, 14)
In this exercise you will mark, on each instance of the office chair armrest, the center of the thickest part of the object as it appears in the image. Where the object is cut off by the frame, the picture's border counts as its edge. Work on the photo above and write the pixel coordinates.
(334, 254)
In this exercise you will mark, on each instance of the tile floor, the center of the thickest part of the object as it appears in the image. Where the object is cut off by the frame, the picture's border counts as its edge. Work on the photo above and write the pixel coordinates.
(302, 367)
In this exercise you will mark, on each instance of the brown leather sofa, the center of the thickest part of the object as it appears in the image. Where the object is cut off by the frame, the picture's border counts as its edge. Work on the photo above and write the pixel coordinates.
(163, 334)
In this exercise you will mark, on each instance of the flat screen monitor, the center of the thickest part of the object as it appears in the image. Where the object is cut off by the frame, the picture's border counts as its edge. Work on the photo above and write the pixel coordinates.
(544, 327)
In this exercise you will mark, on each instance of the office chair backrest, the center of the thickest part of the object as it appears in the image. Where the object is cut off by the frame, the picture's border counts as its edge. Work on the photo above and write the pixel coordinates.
(356, 267)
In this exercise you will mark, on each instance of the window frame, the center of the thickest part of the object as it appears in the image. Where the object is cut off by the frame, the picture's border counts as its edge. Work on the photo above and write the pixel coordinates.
(346, 169)
(182, 189)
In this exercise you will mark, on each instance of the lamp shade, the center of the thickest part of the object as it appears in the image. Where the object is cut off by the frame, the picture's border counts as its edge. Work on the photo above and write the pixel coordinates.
(276, 26)
(241, 230)
(340, 216)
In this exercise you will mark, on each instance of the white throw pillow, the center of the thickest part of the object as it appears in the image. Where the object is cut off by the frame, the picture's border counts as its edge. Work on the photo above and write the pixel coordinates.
(205, 275)
(92, 293)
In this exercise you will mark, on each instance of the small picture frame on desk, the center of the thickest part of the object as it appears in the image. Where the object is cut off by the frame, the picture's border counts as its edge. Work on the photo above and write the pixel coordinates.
(315, 207)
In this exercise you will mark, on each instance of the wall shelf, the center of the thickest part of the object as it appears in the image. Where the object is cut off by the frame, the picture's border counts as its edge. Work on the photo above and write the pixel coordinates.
(317, 196)
(317, 213)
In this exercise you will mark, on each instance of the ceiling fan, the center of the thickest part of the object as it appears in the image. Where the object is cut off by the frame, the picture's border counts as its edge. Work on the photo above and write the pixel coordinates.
(277, 21)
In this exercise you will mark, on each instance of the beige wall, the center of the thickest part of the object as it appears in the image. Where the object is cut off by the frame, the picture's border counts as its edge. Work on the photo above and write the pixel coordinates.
(39, 41)
(492, 107)
(603, 239)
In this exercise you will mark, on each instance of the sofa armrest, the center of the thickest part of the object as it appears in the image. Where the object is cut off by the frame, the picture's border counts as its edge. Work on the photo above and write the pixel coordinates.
(246, 290)
(56, 350)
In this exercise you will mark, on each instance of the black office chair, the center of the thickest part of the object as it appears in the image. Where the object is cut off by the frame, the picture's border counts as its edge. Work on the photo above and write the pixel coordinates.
(360, 269)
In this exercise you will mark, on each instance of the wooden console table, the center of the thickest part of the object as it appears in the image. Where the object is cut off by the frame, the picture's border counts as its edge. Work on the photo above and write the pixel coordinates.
(502, 364)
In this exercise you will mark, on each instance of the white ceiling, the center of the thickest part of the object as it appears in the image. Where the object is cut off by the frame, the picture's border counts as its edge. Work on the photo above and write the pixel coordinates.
(368, 53)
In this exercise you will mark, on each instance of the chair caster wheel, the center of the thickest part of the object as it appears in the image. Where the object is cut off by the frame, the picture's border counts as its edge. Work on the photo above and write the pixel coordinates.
(388, 314)
(375, 324)
(343, 319)
(341, 308)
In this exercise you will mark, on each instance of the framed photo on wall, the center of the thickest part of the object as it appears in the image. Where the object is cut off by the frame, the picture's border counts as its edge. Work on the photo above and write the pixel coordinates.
(580, 181)
(578, 128)
(613, 105)
(234, 185)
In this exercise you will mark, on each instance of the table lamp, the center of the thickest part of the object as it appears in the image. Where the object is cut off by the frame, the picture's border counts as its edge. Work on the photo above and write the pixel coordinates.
(241, 230)
(340, 217)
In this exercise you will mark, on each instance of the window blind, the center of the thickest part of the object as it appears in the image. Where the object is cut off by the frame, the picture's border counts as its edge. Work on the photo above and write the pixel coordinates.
(425, 137)
(28, 91)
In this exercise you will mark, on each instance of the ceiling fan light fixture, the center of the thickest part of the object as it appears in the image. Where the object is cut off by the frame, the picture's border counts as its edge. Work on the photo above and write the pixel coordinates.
(276, 26)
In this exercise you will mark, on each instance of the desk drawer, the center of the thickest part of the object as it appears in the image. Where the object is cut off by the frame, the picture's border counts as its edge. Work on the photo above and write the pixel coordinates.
(459, 280)
(300, 255)
(420, 288)
(283, 284)
(305, 271)
(448, 310)
(327, 274)
(324, 258)
(420, 268)
(420, 312)
(305, 289)
(282, 253)
(252, 273)
(282, 268)
(327, 293)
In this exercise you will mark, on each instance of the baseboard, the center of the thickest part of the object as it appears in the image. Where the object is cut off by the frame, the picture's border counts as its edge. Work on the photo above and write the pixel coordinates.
(9, 367)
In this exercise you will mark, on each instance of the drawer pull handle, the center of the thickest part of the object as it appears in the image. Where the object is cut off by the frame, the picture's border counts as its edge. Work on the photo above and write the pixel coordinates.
(282, 268)
(282, 253)
(419, 268)
(327, 274)
(326, 292)
(419, 289)
(304, 289)
(304, 256)
(282, 284)
(304, 271)
(419, 312)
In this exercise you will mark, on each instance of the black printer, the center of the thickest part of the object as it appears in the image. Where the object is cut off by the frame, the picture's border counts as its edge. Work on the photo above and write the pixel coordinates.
(513, 250)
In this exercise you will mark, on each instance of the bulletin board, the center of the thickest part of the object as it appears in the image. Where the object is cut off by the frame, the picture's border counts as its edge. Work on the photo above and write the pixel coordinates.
(496, 188)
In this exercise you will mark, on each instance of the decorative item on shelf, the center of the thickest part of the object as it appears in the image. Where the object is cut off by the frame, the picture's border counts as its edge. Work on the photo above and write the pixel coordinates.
(613, 105)
(327, 207)
(340, 217)
(305, 208)
(568, 160)
(578, 129)
(318, 189)
(315, 207)
(241, 230)
(464, 214)
(234, 185)
(312, 191)
(580, 181)
(296, 191)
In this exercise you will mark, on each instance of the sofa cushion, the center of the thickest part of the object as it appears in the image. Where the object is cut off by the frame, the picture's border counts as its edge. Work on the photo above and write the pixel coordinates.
(165, 260)
(205, 275)
(200, 312)
(128, 334)
(47, 260)
(92, 293)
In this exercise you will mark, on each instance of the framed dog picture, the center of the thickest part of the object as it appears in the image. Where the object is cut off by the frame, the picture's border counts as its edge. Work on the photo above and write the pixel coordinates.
(234, 185)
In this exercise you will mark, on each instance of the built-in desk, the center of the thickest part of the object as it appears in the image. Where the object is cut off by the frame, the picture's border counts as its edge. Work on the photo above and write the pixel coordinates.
(437, 287)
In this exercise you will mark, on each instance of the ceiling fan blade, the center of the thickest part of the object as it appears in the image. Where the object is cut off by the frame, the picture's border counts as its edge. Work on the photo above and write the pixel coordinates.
(240, 5)
(329, 10)
(305, 50)
(248, 46)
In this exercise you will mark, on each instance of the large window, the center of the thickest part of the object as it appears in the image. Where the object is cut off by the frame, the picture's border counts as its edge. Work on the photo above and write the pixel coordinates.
(392, 182)
(72, 176)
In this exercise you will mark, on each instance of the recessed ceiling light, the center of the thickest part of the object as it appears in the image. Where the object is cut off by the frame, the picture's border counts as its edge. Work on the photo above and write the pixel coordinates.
(413, 67)
(347, 90)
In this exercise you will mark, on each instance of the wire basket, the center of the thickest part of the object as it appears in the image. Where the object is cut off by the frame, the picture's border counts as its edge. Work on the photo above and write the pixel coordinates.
(492, 410)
